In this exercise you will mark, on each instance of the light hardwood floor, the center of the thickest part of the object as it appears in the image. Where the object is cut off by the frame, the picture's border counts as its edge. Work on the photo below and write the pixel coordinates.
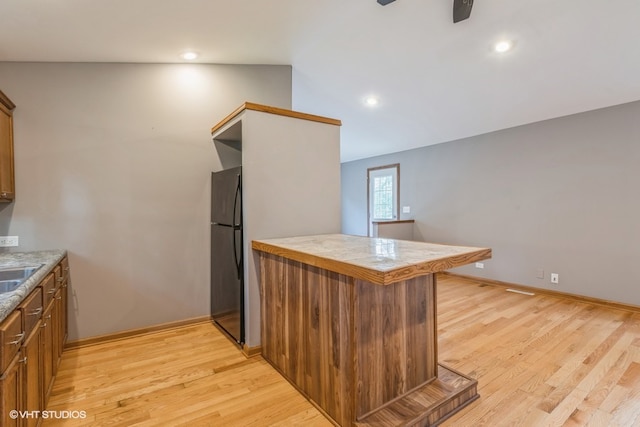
(539, 360)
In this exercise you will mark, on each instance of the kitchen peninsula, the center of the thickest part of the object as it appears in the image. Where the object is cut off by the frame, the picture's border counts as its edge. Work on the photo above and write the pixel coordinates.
(351, 322)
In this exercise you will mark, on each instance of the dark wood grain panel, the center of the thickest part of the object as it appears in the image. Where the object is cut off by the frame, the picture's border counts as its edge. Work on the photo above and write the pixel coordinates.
(428, 405)
(395, 340)
(351, 347)
(306, 321)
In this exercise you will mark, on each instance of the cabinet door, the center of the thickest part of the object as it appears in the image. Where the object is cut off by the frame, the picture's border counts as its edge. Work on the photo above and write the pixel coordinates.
(56, 323)
(46, 356)
(11, 338)
(11, 392)
(32, 397)
(65, 294)
(7, 191)
(64, 316)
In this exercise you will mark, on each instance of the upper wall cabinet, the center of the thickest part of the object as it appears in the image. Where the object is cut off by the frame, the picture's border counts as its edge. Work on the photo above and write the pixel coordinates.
(7, 184)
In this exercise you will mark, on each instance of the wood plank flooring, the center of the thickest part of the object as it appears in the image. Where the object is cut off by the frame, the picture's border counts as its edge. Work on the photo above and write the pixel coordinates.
(190, 376)
(539, 360)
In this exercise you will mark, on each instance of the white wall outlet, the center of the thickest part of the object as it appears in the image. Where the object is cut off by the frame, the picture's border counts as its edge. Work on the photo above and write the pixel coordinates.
(479, 264)
(555, 277)
(406, 209)
(8, 241)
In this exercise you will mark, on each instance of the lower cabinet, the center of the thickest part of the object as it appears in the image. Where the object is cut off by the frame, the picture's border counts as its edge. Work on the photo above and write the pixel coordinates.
(56, 311)
(11, 391)
(47, 336)
(31, 376)
(32, 339)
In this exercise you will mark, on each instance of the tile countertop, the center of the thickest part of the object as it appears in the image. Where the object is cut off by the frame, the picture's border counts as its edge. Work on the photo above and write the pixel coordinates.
(380, 261)
(10, 300)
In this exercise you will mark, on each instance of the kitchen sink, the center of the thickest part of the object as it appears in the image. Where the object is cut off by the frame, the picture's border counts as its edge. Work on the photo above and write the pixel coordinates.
(9, 285)
(12, 277)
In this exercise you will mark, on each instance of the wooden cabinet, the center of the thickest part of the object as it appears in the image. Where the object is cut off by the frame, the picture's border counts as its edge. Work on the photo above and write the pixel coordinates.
(7, 180)
(31, 396)
(59, 312)
(32, 339)
(64, 316)
(11, 336)
(46, 355)
(31, 313)
(11, 392)
(11, 360)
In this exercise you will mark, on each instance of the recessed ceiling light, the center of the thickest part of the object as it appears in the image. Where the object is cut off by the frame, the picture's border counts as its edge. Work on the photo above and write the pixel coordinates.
(189, 56)
(371, 101)
(503, 46)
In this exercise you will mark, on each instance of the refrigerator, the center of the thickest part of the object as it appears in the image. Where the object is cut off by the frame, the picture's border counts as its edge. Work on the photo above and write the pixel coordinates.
(227, 272)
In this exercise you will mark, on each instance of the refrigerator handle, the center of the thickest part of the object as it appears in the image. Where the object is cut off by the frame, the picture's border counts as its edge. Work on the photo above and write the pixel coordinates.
(235, 248)
(235, 255)
(235, 202)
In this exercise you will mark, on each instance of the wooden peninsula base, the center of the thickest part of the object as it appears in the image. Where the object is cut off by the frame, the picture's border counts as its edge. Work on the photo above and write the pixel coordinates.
(351, 323)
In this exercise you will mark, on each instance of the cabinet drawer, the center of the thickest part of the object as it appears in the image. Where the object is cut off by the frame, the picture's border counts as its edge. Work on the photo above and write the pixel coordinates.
(57, 271)
(61, 271)
(64, 265)
(11, 337)
(31, 309)
(48, 290)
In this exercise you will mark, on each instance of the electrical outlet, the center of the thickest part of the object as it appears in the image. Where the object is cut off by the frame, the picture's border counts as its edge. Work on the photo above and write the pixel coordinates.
(406, 209)
(479, 264)
(7, 241)
(540, 273)
(555, 278)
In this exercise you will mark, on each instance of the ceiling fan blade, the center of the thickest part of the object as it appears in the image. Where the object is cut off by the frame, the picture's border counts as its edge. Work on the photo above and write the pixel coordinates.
(461, 10)
(385, 2)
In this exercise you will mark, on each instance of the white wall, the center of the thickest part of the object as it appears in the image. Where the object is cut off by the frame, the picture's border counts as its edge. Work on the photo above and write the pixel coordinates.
(291, 187)
(113, 163)
(561, 195)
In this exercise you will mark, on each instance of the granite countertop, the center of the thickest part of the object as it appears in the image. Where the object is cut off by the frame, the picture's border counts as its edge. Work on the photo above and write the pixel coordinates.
(10, 300)
(380, 261)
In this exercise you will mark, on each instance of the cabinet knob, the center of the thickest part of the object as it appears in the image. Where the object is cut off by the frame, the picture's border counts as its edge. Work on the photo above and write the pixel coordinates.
(3, 194)
(24, 360)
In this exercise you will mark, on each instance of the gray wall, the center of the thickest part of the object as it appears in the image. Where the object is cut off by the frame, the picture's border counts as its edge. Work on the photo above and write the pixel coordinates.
(113, 163)
(291, 187)
(562, 195)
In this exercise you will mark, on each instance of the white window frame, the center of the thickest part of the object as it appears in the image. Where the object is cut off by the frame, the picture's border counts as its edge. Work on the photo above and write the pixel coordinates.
(376, 172)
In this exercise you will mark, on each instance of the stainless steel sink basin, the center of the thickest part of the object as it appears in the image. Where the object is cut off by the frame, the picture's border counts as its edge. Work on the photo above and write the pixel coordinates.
(12, 277)
(9, 285)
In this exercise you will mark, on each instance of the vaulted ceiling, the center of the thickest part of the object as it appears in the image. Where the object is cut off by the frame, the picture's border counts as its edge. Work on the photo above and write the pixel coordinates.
(435, 81)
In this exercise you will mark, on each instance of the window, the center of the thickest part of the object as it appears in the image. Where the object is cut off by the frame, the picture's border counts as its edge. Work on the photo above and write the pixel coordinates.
(383, 183)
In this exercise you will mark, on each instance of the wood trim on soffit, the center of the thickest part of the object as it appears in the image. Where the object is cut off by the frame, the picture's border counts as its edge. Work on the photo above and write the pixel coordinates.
(565, 295)
(277, 111)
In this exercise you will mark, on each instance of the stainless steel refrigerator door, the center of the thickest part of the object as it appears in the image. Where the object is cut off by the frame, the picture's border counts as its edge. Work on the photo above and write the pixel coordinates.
(226, 284)
(226, 197)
